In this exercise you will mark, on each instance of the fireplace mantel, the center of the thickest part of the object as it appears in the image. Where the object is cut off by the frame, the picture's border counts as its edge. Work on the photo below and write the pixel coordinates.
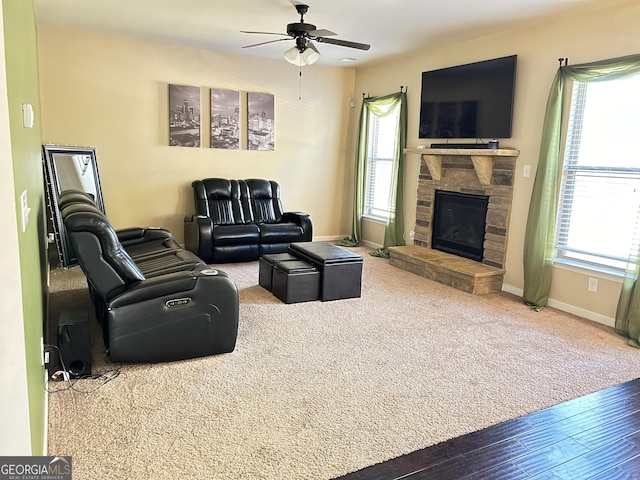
(481, 158)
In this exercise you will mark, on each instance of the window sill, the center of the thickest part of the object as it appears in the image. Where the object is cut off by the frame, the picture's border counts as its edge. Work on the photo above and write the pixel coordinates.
(371, 218)
(606, 274)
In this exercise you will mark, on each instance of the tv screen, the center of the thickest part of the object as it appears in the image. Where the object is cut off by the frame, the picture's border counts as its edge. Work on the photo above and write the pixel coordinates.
(469, 101)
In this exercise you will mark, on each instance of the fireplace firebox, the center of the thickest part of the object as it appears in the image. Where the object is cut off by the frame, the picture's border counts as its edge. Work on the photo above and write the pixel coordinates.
(459, 221)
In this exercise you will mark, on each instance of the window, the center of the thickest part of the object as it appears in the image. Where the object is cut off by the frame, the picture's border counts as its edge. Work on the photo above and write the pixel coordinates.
(600, 189)
(380, 151)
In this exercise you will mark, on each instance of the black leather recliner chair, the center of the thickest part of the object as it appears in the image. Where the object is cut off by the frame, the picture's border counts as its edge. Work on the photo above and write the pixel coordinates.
(138, 241)
(241, 220)
(154, 300)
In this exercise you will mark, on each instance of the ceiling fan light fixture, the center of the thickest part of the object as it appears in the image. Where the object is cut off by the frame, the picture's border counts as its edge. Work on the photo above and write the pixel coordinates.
(307, 56)
(305, 52)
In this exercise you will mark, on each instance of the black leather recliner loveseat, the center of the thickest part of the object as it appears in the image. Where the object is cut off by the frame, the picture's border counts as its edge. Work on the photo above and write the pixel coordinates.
(241, 220)
(154, 300)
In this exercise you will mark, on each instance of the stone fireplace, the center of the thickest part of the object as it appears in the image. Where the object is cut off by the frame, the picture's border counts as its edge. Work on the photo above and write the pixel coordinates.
(480, 173)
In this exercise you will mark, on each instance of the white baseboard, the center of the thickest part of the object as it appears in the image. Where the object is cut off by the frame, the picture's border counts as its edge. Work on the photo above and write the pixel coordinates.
(371, 244)
(329, 238)
(511, 289)
(565, 307)
(45, 439)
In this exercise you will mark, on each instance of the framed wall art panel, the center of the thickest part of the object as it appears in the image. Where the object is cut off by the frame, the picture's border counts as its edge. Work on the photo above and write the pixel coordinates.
(225, 116)
(184, 116)
(261, 121)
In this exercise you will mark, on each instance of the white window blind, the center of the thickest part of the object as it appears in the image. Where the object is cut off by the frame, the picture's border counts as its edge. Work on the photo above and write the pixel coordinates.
(380, 147)
(600, 189)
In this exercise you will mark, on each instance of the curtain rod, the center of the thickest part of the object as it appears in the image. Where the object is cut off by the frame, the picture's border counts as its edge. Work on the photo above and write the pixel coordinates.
(403, 89)
(565, 60)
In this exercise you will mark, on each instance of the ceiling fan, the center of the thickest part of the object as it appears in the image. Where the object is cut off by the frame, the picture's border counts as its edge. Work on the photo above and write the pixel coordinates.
(305, 52)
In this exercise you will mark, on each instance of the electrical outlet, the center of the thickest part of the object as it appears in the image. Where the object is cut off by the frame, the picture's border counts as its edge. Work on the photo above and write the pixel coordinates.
(412, 234)
(593, 285)
(48, 354)
(526, 171)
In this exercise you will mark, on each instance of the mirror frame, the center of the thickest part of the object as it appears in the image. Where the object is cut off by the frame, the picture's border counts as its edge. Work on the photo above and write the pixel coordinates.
(54, 186)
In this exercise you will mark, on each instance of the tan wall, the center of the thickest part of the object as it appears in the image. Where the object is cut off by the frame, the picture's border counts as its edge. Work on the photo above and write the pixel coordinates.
(583, 34)
(112, 94)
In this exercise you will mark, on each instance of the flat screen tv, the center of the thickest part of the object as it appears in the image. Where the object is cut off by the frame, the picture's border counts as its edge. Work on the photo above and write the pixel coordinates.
(469, 101)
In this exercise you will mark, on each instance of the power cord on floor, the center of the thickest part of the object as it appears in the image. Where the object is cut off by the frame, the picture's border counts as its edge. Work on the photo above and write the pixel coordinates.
(105, 375)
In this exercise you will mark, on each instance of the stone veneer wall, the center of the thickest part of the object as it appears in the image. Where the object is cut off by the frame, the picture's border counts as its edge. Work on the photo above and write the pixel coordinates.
(458, 175)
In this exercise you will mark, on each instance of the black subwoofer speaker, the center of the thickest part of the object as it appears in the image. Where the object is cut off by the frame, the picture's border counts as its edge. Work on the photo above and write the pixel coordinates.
(74, 342)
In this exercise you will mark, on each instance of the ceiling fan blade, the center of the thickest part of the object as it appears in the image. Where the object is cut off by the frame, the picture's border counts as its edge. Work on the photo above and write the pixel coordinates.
(265, 33)
(322, 33)
(312, 47)
(264, 43)
(343, 43)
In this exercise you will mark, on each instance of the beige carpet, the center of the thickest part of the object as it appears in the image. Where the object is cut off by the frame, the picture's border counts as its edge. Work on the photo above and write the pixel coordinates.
(316, 390)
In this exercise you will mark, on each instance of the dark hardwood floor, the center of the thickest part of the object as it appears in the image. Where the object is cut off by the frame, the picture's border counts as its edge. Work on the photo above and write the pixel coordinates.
(596, 436)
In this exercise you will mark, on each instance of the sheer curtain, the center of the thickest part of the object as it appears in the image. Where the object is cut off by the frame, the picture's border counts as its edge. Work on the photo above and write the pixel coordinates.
(628, 311)
(540, 232)
(394, 230)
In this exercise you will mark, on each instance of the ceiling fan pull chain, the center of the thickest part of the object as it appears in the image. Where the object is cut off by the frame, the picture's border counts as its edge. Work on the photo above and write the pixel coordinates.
(300, 85)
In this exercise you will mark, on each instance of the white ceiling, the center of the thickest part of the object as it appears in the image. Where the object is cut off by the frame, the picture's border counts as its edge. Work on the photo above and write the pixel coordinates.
(391, 27)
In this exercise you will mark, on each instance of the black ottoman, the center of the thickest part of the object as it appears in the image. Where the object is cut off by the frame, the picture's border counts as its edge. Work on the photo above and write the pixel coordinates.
(340, 269)
(296, 281)
(267, 263)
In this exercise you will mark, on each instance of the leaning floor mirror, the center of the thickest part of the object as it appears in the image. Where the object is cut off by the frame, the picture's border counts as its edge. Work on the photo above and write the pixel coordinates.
(68, 168)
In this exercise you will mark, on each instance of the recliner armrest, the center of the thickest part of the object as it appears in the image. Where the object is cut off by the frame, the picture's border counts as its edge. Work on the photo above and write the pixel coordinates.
(147, 242)
(132, 235)
(303, 220)
(151, 288)
(169, 284)
(198, 236)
